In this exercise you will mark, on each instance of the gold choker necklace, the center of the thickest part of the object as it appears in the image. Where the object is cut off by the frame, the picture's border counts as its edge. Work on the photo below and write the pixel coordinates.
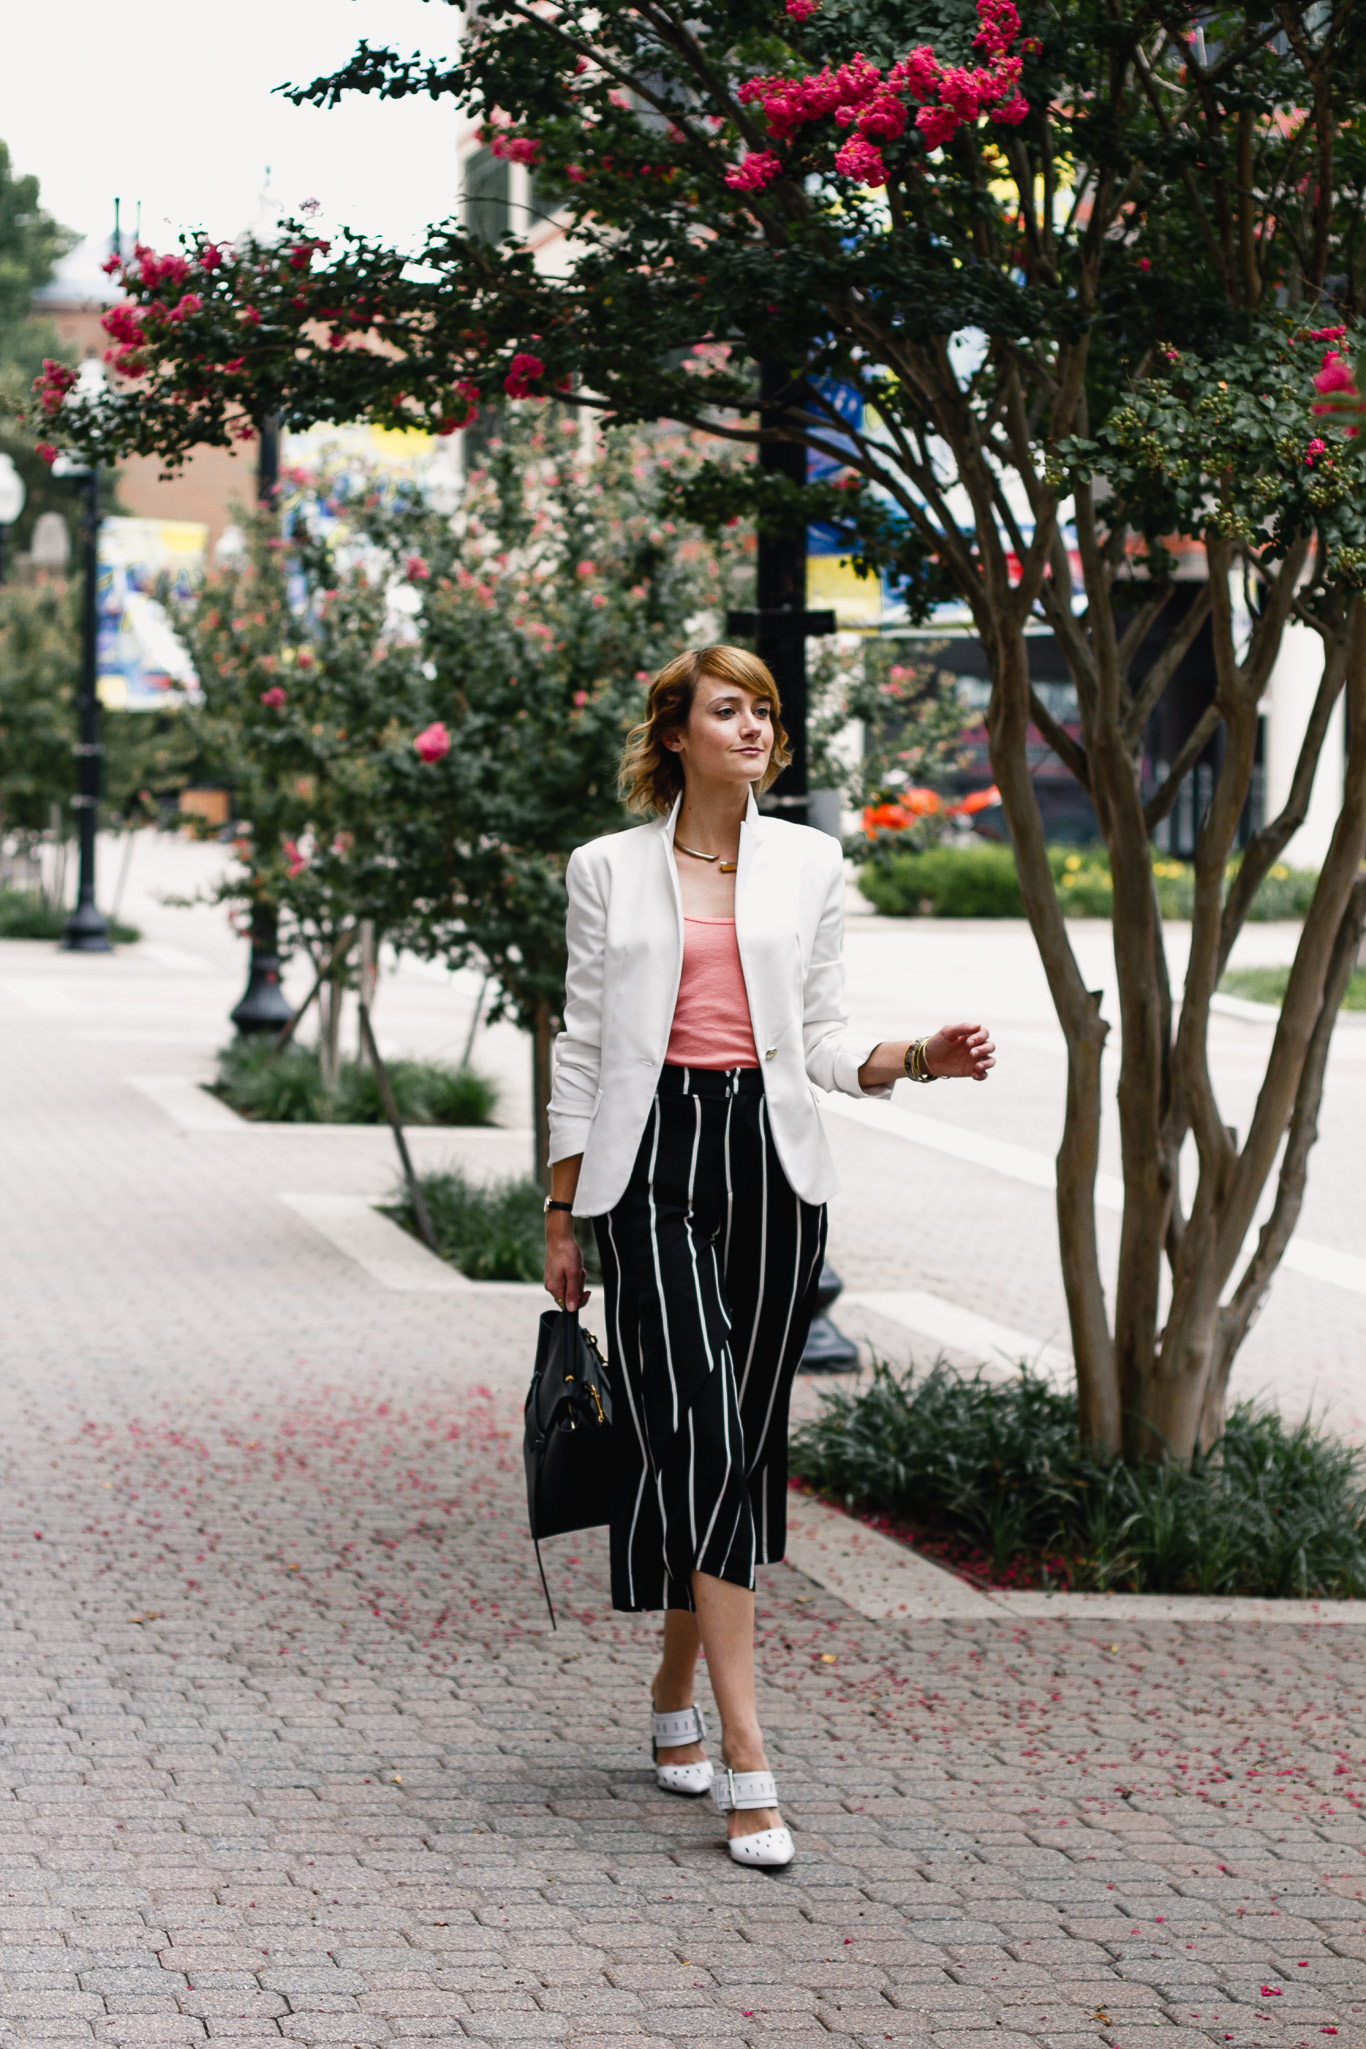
(726, 868)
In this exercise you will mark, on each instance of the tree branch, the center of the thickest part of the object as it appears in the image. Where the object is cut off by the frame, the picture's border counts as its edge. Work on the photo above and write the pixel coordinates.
(1060, 740)
(1149, 693)
(1163, 798)
(1236, 1317)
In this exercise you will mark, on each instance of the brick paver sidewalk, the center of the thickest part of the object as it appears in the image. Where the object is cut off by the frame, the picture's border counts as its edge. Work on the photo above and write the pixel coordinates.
(290, 1750)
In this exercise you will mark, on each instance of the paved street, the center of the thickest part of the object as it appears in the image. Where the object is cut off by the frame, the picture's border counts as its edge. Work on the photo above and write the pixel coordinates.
(290, 1751)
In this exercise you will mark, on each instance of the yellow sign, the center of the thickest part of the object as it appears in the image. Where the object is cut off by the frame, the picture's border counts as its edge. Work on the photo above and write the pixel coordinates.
(833, 585)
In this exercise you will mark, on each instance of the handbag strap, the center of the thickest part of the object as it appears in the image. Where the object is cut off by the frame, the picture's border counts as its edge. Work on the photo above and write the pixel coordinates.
(544, 1588)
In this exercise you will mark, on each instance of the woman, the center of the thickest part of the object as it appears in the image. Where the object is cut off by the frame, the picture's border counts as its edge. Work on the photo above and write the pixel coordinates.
(704, 997)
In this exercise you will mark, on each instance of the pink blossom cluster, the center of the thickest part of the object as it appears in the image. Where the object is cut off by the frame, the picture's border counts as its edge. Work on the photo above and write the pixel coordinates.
(466, 396)
(1315, 448)
(516, 149)
(522, 370)
(1334, 381)
(53, 385)
(1326, 334)
(759, 168)
(873, 105)
(302, 254)
(155, 271)
(802, 10)
(433, 743)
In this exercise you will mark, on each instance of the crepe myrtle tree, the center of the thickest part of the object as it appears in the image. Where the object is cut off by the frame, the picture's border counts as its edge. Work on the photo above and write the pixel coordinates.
(998, 232)
(310, 676)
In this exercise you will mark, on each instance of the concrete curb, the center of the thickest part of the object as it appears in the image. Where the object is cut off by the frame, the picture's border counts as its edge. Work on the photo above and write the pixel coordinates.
(888, 1582)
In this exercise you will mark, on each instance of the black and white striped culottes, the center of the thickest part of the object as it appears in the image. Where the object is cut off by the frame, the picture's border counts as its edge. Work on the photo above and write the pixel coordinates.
(710, 1264)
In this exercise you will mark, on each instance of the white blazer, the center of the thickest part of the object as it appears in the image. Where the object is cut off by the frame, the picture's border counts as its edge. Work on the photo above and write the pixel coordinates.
(625, 932)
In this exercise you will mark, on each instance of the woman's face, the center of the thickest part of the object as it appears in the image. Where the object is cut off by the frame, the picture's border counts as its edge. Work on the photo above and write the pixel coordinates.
(729, 734)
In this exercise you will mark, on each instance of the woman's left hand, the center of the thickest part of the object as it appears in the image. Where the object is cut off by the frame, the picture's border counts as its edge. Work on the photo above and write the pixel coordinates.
(963, 1052)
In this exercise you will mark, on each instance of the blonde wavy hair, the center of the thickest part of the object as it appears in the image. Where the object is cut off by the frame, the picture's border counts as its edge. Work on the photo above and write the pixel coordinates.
(651, 774)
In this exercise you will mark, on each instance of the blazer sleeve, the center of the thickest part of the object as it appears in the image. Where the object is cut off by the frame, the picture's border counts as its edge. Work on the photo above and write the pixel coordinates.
(834, 1054)
(578, 1049)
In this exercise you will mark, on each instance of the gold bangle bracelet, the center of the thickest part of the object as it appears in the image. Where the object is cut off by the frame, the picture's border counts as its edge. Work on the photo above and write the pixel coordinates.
(915, 1064)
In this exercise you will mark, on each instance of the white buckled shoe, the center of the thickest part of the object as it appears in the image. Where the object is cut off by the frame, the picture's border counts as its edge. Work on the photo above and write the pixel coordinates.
(671, 1732)
(769, 1848)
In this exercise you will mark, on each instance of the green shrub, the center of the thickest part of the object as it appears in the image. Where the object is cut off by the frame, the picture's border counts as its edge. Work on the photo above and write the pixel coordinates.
(979, 881)
(996, 1468)
(425, 1093)
(1268, 985)
(288, 1088)
(944, 882)
(492, 1233)
(1286, 893)
(25, 915)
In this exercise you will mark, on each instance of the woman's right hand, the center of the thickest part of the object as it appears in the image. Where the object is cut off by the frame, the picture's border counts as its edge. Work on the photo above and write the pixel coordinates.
(564, 1268)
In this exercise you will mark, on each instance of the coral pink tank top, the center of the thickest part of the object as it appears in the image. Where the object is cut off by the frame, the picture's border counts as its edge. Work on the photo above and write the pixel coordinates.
(711, 1018)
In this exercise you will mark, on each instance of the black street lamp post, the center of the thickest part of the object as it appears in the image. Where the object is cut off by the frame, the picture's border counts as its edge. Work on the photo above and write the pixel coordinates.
(780, 626)
(86, 931)
(264, 1006)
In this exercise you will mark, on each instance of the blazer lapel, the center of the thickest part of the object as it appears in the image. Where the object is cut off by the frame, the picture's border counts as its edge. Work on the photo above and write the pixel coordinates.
(671, 884)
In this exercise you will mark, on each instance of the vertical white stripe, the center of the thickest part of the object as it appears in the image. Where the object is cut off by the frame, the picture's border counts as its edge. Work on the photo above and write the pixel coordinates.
(794, 1297)
(692, 1481)
(763, 1247)
(719, 1480)
(635, 1418)
(659, 1277)
(730, 1187)
(692, 1237)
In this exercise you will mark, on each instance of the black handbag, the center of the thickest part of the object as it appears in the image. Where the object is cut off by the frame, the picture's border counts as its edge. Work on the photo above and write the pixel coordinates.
(568, 1447)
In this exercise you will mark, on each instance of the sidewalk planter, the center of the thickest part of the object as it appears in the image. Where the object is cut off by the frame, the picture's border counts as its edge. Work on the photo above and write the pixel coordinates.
(991, 1479)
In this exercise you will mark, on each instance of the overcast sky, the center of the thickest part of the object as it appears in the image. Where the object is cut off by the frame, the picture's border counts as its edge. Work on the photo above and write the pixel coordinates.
(172, 104)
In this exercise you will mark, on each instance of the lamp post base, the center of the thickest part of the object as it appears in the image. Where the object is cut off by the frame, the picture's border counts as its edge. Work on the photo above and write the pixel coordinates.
(264, 1007)
(86, 931)
(828, 1350)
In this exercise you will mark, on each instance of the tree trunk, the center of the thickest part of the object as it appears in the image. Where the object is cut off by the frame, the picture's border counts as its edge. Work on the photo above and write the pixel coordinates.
(329, 1027)
(1078, 1012)
(542, 1041)
(1183, 1405)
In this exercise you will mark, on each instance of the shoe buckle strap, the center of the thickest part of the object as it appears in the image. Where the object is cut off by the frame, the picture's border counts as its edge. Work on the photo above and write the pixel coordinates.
(672, 1731)
(750, 1789)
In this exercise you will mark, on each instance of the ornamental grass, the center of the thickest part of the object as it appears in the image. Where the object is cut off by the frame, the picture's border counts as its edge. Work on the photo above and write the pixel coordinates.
(990, 1476)
(289, 1088)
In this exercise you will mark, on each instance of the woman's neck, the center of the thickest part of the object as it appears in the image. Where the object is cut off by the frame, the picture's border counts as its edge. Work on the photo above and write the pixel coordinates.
(711, 815)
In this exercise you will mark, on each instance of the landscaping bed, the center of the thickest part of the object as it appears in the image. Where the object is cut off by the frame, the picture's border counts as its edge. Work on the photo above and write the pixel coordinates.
(289, 1088)
(979, 881)
(491, 1231)
(988, 1478)
(26, 914)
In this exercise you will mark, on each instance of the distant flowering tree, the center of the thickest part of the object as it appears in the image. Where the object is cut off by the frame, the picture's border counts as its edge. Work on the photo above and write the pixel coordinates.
(911, 723)
(568, 585)
(1001, 235)
(421, 716)
(309, 675)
